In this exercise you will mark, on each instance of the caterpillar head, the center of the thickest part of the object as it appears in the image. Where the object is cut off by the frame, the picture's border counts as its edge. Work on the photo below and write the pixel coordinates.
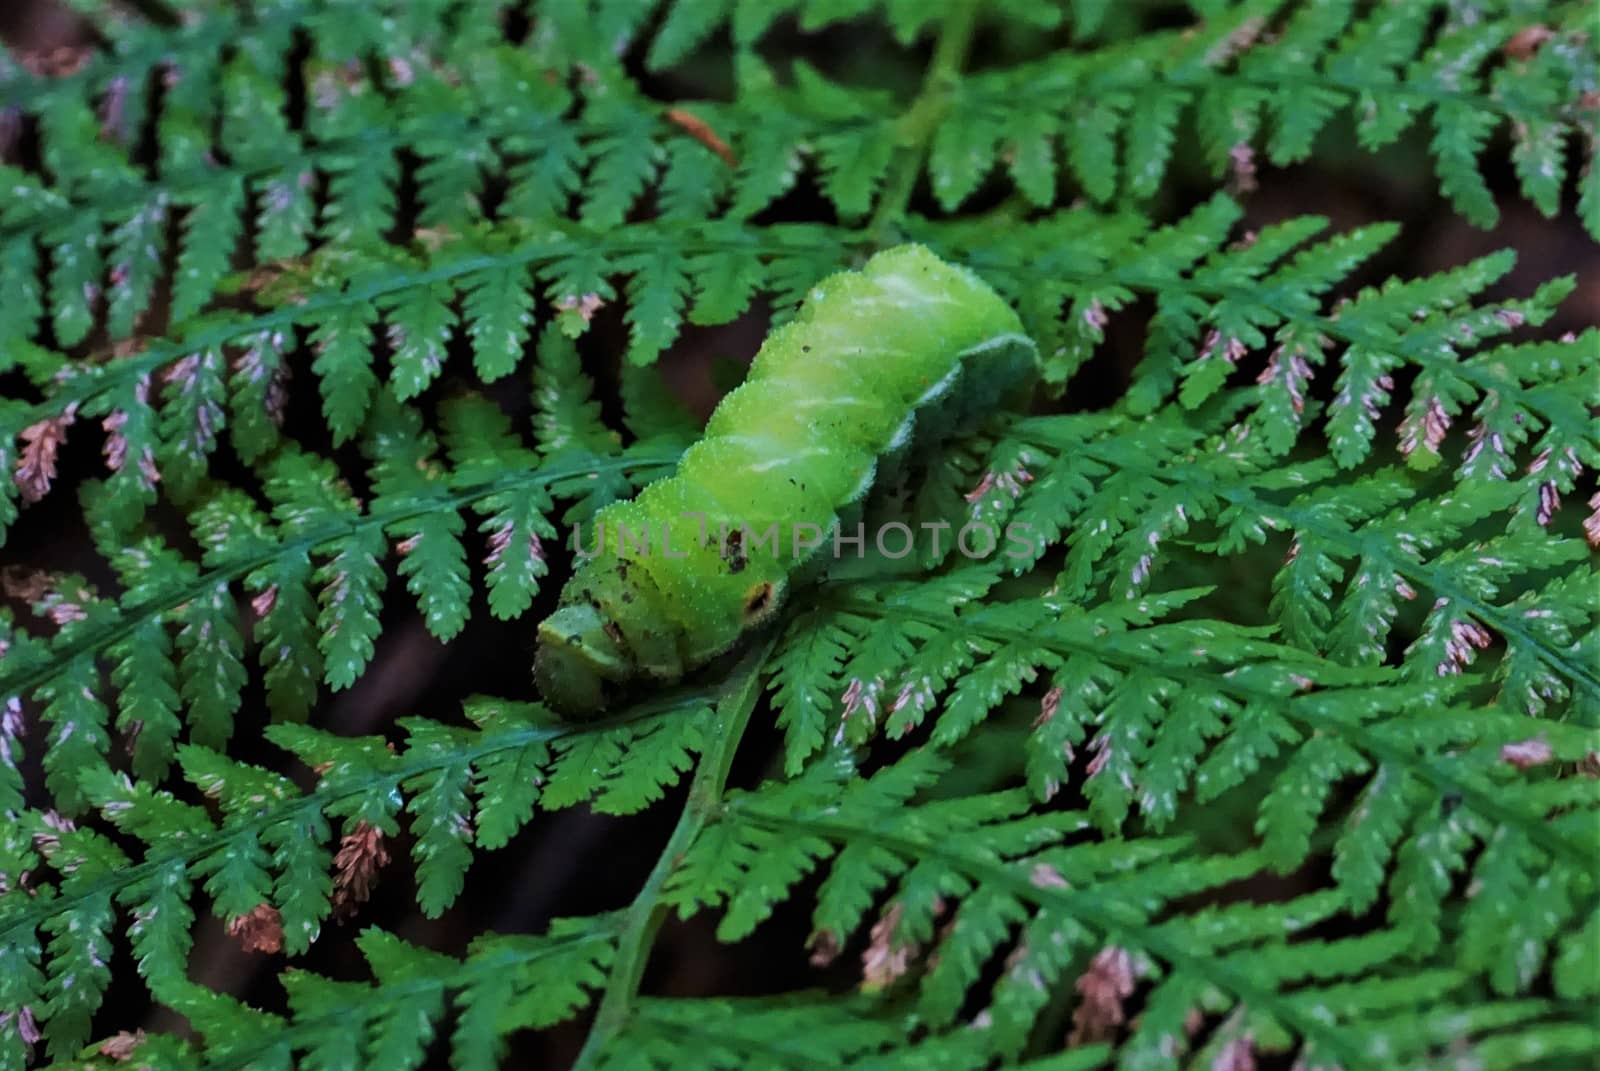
(580, 660)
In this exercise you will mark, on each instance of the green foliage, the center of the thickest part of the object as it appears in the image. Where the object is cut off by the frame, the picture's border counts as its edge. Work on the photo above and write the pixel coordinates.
(1280, 743)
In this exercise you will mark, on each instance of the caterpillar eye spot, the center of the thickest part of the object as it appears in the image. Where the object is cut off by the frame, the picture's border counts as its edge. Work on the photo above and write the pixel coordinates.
(614, 630)
(758, 600)
(733, 553)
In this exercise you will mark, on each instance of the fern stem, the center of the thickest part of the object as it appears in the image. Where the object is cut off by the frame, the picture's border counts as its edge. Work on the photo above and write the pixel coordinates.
(647, 912)
(921, 121)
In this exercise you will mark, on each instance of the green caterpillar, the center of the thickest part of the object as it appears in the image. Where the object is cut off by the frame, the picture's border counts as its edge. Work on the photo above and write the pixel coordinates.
(907, 348)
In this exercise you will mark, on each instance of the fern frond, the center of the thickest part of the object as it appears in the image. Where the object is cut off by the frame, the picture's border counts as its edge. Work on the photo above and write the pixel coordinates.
(315, 573)
(271, 851)
(1154, 734)
(1393, 544)
(342, 318)
(105, 223)
(504, 983)
(1272, 742)
(1389, 66)
(970, 878)
(1225, 304)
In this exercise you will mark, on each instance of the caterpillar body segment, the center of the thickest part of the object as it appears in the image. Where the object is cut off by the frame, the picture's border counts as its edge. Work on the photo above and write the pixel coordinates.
(876, 363)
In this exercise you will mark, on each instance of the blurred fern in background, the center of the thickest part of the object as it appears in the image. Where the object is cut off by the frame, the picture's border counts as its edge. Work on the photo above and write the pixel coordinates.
(1282, 751)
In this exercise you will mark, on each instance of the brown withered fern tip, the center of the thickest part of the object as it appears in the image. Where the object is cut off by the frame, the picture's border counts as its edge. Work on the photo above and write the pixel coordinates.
(825, 948)
(41, 443)
(24, 583)
(361, 855)
(122, 1045)
(261, 930)
(1104, 987)
(886, 960)
(1238, 1054)
(24, 1023)
(1527, 754)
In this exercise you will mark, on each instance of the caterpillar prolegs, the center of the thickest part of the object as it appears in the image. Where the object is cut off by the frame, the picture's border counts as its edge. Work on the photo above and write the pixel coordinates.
(907, 349)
